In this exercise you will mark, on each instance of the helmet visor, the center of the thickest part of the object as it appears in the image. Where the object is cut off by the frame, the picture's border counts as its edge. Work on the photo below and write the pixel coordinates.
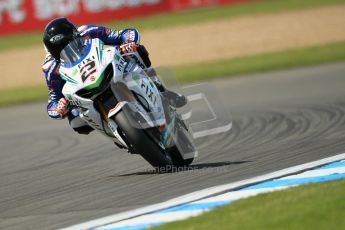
(75, 50)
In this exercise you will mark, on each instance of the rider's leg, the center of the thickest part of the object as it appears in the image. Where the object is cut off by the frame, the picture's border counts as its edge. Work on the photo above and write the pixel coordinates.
(78, 124)
(175, 99)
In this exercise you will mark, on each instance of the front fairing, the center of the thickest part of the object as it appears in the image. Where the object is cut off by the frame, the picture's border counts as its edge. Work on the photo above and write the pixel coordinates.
(84, 63)
(82, 67)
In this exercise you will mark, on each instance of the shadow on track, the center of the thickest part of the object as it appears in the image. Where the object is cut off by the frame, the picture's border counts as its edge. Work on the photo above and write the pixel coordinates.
(201, 166)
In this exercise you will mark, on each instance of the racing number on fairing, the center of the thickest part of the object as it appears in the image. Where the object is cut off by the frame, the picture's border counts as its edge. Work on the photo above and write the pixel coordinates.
(87, 70)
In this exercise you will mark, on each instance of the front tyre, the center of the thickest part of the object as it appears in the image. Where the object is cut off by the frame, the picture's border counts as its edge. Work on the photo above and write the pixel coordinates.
(142, 143)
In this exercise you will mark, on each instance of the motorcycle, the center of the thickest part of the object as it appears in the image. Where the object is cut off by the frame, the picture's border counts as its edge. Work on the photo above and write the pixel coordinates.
(114, 95)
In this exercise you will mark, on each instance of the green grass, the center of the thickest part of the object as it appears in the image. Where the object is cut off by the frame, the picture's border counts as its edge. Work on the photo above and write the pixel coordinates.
(262, 62)
(317, 206)
(215, 69)
(23, 95)
(212, 13)
(184, 18)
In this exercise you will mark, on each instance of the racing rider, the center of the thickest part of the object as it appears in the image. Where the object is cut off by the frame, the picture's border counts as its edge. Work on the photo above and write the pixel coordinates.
(57, 34)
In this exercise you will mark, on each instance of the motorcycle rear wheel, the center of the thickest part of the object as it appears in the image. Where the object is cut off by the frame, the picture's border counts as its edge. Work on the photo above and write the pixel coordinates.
(177, 159)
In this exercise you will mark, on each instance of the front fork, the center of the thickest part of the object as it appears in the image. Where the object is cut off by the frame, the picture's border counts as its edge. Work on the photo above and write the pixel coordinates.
(106, 116)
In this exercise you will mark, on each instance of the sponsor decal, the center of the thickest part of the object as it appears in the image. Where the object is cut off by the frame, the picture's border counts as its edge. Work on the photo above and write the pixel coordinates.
(112, 126)
(113, 33)
(120, 65)
(130, 36)
(75, 72)
(49, 8)
(82, 33)
(87, 68)
(32, 15)
(75, 102)
(56, 38)
(14, 9)
(149, 92)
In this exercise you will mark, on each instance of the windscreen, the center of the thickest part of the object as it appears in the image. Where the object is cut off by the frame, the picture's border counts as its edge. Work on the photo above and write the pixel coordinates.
(75, 50)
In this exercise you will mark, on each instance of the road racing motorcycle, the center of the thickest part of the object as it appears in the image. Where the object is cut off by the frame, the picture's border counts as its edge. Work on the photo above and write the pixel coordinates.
(114, 95)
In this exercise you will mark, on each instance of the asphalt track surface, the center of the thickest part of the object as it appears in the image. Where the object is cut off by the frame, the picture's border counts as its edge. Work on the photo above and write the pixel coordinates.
(51, 177)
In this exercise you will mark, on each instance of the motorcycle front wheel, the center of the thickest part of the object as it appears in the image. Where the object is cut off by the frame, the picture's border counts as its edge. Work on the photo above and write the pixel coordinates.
(142, 143)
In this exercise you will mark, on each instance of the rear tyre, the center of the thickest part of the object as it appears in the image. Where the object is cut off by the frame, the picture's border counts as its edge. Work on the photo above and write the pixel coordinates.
(183, 145)
(177, 159)
(142, 143)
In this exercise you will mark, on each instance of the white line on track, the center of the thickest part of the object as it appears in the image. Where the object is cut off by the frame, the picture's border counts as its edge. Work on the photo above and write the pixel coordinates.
(194, 196)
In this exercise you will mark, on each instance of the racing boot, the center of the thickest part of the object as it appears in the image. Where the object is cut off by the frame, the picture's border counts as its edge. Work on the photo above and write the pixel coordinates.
(175, 99)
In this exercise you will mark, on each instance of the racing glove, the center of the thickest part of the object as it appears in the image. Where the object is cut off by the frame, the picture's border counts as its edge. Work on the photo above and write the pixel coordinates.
(129, 47)
(58, 110)
(133, 47)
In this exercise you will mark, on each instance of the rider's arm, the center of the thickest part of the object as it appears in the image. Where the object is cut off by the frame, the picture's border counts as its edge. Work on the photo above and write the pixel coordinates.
(110, 36)
(57, 105)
